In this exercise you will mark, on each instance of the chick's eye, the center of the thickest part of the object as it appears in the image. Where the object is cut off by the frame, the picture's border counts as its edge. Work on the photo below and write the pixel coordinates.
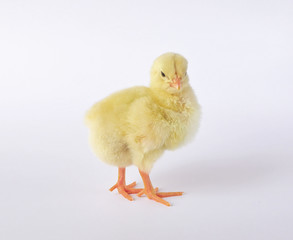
(163, 74)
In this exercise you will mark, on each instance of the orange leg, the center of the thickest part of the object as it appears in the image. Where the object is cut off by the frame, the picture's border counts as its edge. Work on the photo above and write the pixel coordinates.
(122, 188)
(152, 193)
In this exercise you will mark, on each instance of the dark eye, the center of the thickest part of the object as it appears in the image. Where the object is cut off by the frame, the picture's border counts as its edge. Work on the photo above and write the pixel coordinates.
(163, 74)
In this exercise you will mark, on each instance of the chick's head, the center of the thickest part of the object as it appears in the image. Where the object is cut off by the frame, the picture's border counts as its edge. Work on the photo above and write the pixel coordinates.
(169, 73)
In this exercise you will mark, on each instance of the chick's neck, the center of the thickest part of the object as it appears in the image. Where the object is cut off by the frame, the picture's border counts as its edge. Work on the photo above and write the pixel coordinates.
(172, 101)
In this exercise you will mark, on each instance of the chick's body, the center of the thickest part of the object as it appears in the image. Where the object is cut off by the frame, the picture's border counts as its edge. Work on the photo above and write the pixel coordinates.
(136, 125)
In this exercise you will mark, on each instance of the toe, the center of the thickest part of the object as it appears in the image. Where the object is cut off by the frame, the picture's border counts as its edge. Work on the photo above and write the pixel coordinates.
(133, 190)
(125, 194)
(140, 193)
(169, 194)
(131, 185)
(114, 186)
(160, 200)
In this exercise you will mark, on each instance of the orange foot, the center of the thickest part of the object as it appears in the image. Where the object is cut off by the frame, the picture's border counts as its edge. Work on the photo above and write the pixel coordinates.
(152, 193)
(124, 189)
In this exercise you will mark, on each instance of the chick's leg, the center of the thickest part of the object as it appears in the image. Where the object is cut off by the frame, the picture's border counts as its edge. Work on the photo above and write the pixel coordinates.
(152, 193)
(122, 188)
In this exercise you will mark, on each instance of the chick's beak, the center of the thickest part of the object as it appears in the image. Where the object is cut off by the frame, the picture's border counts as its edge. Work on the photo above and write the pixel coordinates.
(176, 82)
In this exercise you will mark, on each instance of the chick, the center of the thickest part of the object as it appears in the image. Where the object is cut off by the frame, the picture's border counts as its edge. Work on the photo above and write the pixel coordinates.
(136, 125)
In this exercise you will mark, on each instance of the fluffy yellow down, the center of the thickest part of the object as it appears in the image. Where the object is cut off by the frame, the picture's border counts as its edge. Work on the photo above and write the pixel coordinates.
(136, 125)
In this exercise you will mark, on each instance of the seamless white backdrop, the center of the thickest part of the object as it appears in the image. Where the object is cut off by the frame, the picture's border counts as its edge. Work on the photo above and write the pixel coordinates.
(59, 57)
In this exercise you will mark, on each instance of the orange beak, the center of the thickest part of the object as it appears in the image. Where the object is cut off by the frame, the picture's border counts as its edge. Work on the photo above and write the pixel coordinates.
(176, 82)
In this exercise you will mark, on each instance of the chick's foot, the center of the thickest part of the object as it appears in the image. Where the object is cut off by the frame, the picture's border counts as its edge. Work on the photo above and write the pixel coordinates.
(124, 189)
(157, 196)
(152, 193)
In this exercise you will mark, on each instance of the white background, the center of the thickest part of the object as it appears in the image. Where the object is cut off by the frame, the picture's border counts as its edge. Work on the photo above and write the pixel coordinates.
(59, 57)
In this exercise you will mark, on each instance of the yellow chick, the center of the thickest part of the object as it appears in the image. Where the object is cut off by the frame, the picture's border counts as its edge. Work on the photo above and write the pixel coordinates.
(136, 125)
